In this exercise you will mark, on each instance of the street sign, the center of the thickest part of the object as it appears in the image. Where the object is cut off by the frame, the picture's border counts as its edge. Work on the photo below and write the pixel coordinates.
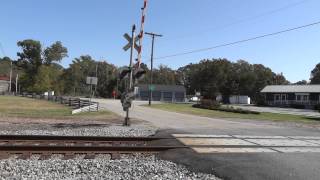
(151, 87)
(129, 39)
(92, 80)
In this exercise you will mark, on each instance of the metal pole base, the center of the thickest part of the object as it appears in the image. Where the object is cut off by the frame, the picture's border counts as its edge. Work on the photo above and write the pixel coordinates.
(126, 121)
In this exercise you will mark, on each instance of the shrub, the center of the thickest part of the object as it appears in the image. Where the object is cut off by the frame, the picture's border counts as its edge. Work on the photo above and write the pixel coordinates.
(226, 109)
(208, 103)
(297, 106)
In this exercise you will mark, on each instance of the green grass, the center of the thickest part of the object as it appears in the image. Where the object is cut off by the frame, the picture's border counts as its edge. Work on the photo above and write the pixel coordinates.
(188, 109)
(11, 106)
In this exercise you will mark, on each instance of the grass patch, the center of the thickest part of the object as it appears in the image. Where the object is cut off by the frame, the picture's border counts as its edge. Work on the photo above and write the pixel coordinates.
(11, 106)
(188, 109)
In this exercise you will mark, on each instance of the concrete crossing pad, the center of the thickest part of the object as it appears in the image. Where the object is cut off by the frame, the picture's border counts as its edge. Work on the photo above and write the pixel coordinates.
(249, 144)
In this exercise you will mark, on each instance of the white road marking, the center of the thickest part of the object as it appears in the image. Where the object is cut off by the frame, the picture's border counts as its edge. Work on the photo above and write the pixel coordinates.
(200, 136)
(298, 150)
(281, 142)
(247, 143)
(304, 137)
(232, 150)
(213, 141)
(260, 137)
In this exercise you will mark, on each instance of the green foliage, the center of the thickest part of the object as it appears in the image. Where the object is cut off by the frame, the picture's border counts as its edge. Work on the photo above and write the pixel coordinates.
(315, 75)
(48, 79)
(220, 76)
(32, 58)
(5, 66)
(75, 77)
(55, 53)
(224, 109)
(302, 82)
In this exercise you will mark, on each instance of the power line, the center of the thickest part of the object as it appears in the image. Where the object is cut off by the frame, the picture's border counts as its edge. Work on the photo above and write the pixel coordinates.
(243, 20)
(237, 42)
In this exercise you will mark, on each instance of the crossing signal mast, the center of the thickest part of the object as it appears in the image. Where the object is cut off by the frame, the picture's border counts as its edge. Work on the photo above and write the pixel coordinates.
(144, 10)
(133, 73)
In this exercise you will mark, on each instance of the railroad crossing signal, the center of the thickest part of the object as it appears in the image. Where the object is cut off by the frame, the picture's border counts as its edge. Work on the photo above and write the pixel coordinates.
(129, 39)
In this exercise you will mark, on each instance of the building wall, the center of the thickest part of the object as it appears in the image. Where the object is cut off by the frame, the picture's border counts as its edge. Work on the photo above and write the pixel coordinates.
(166, 96)
(314, 96)
(4, 86)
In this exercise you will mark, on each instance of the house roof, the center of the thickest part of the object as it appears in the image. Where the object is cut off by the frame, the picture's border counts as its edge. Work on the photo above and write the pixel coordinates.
(291, 88)
(4, 78)
(161, 87)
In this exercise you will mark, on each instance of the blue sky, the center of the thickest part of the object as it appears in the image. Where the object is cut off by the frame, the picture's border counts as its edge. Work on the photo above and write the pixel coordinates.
(96, 27)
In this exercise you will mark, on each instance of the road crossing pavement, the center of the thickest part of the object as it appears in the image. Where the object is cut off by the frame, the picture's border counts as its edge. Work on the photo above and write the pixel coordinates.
(250, 144)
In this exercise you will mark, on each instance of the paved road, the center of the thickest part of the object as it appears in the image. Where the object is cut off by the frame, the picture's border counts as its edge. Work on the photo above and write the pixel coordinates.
(272, 162)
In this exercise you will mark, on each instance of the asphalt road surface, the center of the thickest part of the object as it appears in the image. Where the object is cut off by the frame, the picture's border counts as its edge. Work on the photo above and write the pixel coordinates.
(235, 149)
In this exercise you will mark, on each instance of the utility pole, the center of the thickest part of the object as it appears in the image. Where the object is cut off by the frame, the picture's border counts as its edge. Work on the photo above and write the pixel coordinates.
(95, 87)
(17, 77)
(10, 77)
(127, 120)
(151, 74)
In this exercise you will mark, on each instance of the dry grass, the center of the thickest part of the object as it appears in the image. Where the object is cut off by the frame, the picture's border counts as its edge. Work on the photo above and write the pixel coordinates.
(11, 106)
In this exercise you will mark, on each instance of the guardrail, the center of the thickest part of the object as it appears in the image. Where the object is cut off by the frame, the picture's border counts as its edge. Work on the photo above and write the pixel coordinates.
(75, 103)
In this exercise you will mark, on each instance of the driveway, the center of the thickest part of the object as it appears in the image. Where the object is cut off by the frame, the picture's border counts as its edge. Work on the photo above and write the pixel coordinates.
(288, 151)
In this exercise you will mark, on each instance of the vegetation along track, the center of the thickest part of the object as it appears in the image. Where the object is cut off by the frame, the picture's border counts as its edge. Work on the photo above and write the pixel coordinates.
(26, 145)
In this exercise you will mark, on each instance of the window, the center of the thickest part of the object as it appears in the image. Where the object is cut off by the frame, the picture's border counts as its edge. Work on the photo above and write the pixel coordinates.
(298, 97)
(305, 98)
(283, 97)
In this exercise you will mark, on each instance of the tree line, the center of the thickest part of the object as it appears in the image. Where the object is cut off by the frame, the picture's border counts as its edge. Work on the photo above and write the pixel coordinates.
(39, 71)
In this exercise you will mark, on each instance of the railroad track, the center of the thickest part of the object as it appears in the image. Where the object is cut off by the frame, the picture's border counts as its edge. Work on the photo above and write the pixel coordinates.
(26, 145)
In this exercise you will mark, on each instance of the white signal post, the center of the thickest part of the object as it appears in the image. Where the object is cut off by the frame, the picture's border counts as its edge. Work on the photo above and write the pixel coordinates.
(144, 9)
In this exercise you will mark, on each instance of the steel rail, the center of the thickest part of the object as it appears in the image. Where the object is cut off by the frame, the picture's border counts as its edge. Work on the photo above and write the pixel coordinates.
(84, 149)
(74, 138)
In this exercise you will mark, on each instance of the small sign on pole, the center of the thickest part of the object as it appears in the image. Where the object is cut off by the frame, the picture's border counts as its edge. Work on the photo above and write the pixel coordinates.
(92, 80)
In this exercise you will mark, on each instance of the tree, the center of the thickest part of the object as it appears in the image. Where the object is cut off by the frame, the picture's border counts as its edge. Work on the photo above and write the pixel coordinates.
(302, 82)
(279, 79)
(48, 79)
(75, 77)
(315, 75)
(55, 53)
(5, 64)
(32, 58)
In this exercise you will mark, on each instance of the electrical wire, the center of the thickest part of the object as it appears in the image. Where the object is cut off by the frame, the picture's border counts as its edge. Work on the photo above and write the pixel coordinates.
(243, 20)
(238, 42)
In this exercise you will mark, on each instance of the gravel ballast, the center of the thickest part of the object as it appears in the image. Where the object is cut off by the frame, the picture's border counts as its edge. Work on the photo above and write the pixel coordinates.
(135, 166)
(102, 167)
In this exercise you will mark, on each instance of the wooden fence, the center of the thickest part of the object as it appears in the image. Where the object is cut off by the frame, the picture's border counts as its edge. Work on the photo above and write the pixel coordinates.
(75, 103)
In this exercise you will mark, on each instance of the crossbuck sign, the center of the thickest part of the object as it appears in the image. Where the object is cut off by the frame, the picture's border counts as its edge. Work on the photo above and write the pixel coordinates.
(129, 39)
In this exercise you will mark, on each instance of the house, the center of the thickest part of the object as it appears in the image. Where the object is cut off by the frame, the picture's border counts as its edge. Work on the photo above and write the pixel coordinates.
(166, 93)
(306, 96)
(4, 84)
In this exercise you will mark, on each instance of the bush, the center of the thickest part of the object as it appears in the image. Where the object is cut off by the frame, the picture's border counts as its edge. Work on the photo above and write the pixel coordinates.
(225, 109)
(297, 106)
(317, 107)
(208, 103)
(238, 110)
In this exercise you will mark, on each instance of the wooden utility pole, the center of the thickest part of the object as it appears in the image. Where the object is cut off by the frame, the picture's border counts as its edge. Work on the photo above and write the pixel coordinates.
(151, 74)
(10, 77)
(17, 77)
